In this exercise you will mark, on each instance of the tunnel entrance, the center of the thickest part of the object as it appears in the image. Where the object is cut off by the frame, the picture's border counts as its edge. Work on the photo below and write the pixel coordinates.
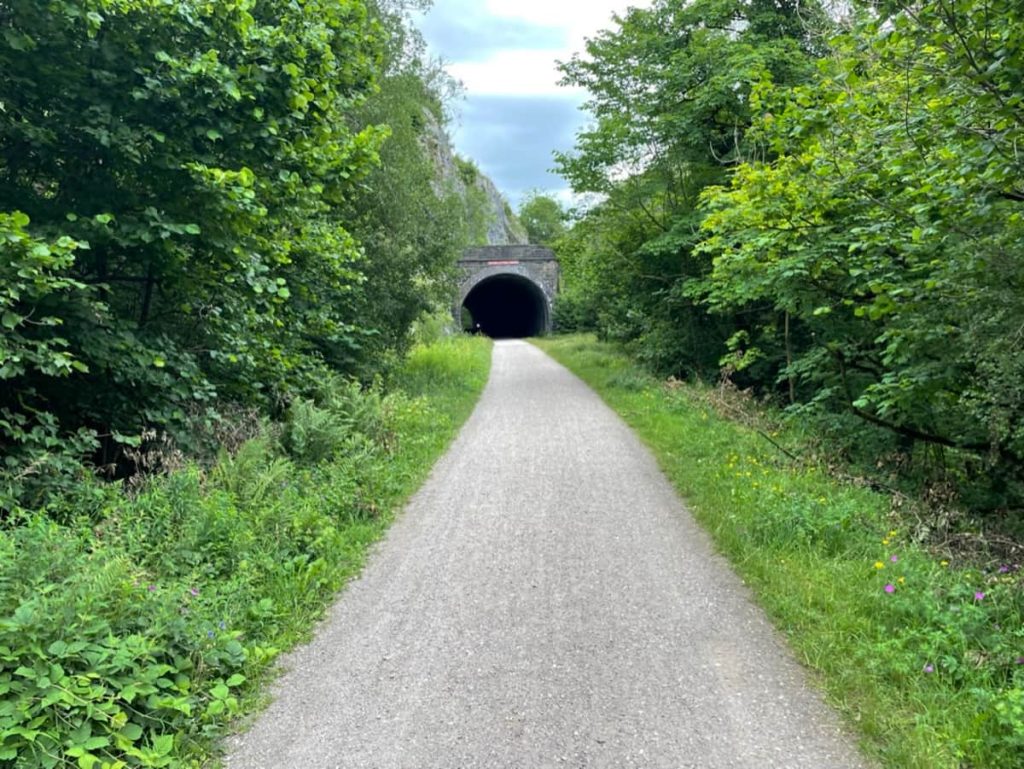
(506, 306)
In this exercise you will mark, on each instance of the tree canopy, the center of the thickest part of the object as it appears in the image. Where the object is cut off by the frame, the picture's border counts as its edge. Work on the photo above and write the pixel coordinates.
(828, 210)
(195, 213)
(543, 217)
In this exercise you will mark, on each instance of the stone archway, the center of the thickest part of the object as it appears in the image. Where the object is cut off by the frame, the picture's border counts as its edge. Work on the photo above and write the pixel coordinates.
(508, 290)
(506, 305)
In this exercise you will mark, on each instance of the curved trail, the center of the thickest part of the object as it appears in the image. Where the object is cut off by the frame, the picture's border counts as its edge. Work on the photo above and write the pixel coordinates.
(544, 601)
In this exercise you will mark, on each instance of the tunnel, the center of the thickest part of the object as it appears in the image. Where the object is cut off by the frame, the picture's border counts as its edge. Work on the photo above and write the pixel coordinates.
(506, 306)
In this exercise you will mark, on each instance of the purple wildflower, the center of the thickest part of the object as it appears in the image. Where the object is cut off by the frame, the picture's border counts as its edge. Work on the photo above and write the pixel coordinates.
(979, 596)
(1020, 660)
(151, 588)
(894, 558)
(929, 668)
(890, 588)
(194, 591)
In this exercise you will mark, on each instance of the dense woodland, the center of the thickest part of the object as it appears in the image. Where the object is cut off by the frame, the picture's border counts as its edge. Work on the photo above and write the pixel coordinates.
(206, 209)
(823, 204)
(223, 225)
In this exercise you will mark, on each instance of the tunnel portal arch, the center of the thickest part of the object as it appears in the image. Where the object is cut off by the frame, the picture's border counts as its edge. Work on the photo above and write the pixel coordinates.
(508, 290)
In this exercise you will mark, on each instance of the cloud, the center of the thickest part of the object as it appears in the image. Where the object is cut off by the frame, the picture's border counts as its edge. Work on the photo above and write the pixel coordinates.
(511, 47)
(512, 138)
(505, 51)
(511, 73)
(459, 32)
(578, 19)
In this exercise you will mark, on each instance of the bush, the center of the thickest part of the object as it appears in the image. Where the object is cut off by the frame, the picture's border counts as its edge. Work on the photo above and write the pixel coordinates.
(131, 636)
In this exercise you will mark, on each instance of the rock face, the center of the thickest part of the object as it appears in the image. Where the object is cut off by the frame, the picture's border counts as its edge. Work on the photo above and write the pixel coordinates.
(502, 226)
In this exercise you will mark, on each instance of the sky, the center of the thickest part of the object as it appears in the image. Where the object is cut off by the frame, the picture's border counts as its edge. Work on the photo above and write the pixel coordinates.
(514, 114)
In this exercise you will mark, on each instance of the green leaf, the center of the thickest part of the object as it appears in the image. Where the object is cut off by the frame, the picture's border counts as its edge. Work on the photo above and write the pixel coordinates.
(163, 744)
(131, 732)
(220, 691)
(126, 440)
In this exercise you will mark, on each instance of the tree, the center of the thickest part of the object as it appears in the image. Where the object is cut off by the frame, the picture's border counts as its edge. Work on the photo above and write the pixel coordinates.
(178, 172)
(670, 95)
(543, 217)
(890, 229)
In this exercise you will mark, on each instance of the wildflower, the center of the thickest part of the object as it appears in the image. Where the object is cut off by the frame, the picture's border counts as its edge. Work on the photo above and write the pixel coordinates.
(894, 558)
(902, 580)
(222, 624)
(1004, 569)
(1020, 660)
(194, 591)
(151, 588)
(209, 634)
(944, 564)
(890, 588)
(879, 565)
(979, 596)
(893, 533)
(929, 668)
(885, 541)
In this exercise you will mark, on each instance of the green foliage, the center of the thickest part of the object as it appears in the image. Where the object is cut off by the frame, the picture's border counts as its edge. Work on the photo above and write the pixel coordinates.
(343, 418)
(131, 640)
(670, 95)
(889, 230)
(37, 294)
(923, 656)
(543, 217)
(202, 205)
(184, 164)
(411, 226)
(467, 171)
(828, 212)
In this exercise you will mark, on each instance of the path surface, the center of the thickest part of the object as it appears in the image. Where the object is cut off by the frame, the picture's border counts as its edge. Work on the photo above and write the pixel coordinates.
(545, 601)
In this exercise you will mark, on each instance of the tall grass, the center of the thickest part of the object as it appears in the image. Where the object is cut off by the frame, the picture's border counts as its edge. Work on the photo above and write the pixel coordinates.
(924, 657)
(132, 637)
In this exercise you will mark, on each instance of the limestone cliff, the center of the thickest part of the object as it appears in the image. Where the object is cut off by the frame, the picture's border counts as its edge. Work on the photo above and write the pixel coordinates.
(499, 225)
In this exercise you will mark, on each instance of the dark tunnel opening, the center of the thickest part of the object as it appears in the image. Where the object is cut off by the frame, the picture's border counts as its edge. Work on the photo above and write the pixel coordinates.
(506, 307)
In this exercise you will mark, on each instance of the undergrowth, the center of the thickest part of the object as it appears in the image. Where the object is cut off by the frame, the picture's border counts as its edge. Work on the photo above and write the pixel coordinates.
(130, 637)
(921, 651)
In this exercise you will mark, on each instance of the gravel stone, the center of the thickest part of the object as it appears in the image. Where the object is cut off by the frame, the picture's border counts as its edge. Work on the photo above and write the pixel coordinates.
(545, 601)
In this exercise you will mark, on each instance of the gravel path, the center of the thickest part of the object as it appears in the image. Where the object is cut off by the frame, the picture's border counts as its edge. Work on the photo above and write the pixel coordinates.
(545, 601)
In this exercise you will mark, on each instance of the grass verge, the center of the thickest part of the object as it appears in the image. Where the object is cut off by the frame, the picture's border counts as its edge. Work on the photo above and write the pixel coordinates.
(132, 638)
(924, 658)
